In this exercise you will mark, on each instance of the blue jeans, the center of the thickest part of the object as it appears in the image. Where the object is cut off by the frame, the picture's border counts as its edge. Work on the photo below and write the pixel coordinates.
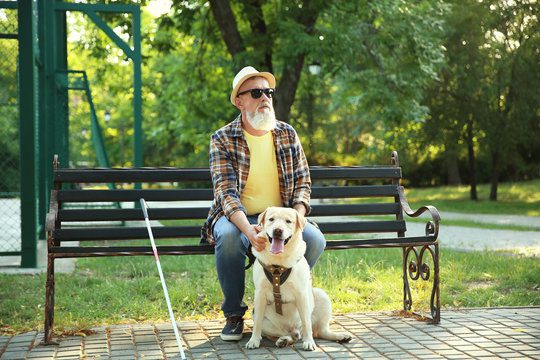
(231, 248)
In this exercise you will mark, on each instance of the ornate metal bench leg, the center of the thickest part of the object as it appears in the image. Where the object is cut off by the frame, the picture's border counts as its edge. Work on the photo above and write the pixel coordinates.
(49, 302)
(436, 292)
(407, 297)
(416, 269)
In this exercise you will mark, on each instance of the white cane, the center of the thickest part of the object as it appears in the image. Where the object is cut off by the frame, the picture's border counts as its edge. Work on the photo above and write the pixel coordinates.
(156, 256)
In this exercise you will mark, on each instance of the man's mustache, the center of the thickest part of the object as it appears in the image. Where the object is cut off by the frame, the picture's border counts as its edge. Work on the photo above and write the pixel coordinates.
(267, 104)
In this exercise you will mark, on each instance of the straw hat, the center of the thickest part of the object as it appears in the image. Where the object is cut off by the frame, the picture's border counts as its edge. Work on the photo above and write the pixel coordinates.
(246, 73)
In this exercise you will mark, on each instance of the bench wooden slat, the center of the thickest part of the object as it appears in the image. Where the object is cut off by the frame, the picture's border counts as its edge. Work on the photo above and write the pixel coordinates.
(354, 209)
(95, 251)
(126, 233)
(163, 232)
(202, 212)
(134, 195)
(132, 214)
(362, 226)
(318, 192)
(105, 175)
(379, 242)
(354, 172)
(102, 175)
(335, 192)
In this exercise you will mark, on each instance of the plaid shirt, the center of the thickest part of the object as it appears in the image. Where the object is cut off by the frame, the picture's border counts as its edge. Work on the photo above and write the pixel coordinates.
(229, 167)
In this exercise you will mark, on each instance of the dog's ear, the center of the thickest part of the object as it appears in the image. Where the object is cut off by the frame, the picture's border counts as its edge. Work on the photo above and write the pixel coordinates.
(261, 217)
(300, 221)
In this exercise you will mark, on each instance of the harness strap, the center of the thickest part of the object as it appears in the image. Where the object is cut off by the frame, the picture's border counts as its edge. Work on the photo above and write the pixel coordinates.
(277, 275)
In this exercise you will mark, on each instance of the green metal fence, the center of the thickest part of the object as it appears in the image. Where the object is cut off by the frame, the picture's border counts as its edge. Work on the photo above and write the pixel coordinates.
(35, 109)
(10, 230)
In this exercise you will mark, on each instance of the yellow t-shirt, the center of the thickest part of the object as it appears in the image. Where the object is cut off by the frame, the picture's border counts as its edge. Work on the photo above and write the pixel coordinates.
(262, 186)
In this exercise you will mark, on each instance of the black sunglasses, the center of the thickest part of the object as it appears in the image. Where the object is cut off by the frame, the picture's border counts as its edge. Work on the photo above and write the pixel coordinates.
(257, 93)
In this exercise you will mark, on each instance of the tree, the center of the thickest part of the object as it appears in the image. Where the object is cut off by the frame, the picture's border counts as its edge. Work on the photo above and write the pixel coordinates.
(486, 98)
(454, 99)
(511, 83)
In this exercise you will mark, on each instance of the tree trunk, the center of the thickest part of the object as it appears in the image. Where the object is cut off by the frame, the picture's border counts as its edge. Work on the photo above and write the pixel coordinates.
(265, 43)
(287, 88)
(291, 73)
(452, 168)
(494, 175)
(472, 161)
(227, 25)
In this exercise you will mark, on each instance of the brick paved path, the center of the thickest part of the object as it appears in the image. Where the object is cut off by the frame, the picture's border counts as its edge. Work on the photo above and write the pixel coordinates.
(488, 333)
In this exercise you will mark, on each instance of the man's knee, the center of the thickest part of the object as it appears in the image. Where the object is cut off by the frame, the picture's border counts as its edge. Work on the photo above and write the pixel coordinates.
(313, 237)
(228, 238)
(315, 243)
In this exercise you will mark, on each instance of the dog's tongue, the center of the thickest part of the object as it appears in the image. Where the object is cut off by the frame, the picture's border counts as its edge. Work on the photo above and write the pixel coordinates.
(277, 246)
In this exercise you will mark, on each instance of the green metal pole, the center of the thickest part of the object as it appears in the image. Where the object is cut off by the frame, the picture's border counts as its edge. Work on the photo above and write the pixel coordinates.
(137, 85)
(61, 126)
(29, 142)
(43, 171)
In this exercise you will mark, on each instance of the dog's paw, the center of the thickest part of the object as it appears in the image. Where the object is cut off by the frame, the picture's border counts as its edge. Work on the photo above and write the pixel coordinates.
(344, 338)
(281, 343)
(309, 345)
(253, 343)
(284, 341)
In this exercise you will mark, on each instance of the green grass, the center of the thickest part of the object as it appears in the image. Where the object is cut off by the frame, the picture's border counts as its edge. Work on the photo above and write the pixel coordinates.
(522, 198)
(127, 290)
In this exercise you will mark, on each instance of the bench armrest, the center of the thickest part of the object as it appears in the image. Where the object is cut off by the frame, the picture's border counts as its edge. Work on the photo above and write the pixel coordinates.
(50, 221)
(432, 226)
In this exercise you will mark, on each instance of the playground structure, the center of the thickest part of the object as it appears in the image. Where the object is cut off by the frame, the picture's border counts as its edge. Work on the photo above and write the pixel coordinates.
(35, 108)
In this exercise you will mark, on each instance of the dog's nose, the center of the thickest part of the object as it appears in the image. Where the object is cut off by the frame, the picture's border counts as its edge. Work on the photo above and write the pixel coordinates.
(278, 233)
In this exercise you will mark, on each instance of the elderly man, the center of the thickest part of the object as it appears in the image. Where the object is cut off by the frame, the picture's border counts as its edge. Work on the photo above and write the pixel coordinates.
(255, 162)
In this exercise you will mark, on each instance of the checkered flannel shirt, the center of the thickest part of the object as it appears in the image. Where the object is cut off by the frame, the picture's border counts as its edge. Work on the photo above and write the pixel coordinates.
(229, 167)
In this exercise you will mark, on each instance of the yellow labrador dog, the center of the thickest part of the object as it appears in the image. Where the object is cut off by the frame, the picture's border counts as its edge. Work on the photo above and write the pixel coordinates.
(286, 306)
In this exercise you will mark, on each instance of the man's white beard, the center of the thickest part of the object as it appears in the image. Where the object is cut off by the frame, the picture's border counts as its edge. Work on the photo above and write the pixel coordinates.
(265, 120)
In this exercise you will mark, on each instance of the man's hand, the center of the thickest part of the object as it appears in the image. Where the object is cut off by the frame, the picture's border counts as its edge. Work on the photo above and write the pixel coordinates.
(252, 232)
(256, 237)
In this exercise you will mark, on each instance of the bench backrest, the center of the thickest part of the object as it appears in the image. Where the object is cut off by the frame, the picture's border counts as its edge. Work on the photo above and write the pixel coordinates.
(80, 195)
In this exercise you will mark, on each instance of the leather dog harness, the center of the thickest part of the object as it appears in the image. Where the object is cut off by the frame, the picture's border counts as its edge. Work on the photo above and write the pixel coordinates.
(277, 275)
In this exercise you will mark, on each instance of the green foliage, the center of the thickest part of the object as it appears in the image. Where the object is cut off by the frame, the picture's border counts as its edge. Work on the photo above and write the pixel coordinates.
(412, 77)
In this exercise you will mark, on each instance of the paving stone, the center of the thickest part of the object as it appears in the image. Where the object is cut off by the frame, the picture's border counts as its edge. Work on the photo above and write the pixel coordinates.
(9, 355)
(41, 353)
(510, 355)
(521, 347)
(234, 356)
(532, 353)
(122, 346)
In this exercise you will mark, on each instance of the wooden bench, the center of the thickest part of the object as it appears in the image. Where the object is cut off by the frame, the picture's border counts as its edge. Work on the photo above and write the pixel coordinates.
(77, 216)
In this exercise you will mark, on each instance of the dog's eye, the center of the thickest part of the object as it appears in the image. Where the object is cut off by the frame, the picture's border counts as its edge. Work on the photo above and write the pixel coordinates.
(289, 221)
(271, 219)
